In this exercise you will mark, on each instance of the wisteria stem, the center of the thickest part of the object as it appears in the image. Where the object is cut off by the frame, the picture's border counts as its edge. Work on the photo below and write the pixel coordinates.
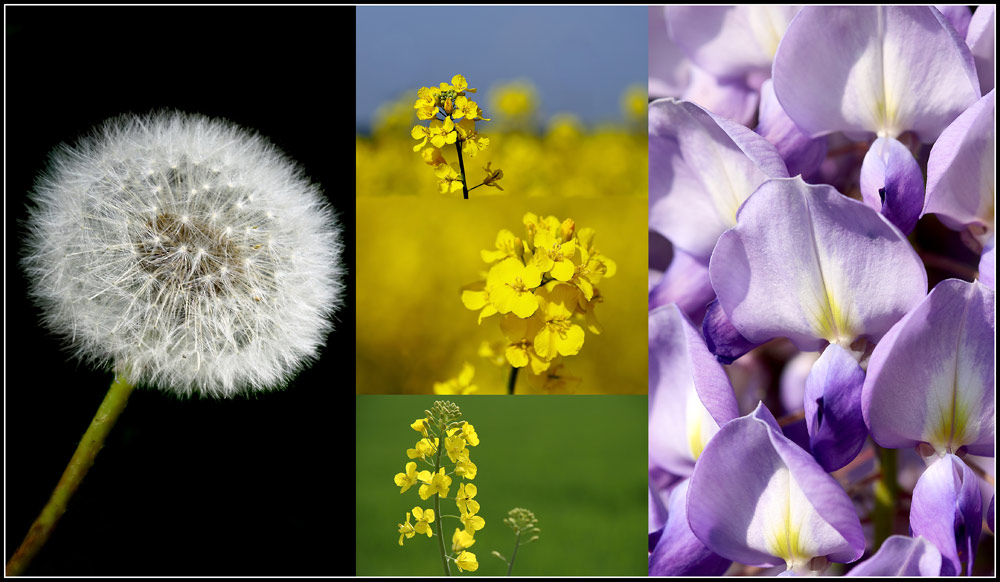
(461, 167)
(91, 443)
(886, 495)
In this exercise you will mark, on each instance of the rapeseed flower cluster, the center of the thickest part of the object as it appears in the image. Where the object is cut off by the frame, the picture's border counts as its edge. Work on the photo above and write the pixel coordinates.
(542, 286)
(453, 119)
(442, 425)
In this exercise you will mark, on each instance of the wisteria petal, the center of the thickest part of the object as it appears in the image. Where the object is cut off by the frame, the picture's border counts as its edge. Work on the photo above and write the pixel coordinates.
(806, 263)
(991, 514)
(988, 264)
(892, 183)
(784, 499)
(678, 552)
(836, 428)
(668, 65)
(982, 40)
(901, 556)
(690, 395)
(947, 509)
(961, 182)
(721, 338)
(880, 69)
(931, 378)
(657, 516)
(685, 283)
(702, 168)
(729, 98)
(730, 41)
(802, 154)
(958, 17)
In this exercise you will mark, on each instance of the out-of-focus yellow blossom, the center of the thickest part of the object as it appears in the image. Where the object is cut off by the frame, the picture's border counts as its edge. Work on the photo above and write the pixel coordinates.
(459, 385)
(461, 540)
(464, 498)
(422, 449)
(436, 483)
(635, 103)
(507, 245)
(552, 381)
(406, 529)
(466, 561)
(407, 479)
(516, 102)
(424, 519)
(433, 157)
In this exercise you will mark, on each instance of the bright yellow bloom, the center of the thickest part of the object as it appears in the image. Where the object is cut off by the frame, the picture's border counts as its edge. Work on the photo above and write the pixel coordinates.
(472, 522)
(405, 529)
(465, 468)
(533, 225)
(432, 156)
(510, 284)
(466, 561)
(442, 132)
(558, 336)
(449, 178)
(427, 102)
(460, 385)
(552, 255)
(466, 491)
(460, 85)
(453, 445)
(461, 540)
(478, 298)
(420, 425)
(520, 334)
(469, 434)
(437, 483)
(465, 107)
(422, 449)
(407, 479)
(590, 271)
(424, 519)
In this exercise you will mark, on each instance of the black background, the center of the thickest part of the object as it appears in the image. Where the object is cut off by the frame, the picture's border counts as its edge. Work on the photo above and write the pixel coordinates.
(259, 485)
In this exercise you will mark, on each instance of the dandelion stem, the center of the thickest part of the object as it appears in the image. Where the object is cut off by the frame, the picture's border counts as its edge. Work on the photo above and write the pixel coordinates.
(886, 494)
(92, 442)
(461, 167)
(517, 543)
(511, 380)
(437, 512)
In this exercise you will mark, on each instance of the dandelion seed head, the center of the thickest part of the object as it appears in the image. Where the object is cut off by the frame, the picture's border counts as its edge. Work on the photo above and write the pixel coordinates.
(185, 252)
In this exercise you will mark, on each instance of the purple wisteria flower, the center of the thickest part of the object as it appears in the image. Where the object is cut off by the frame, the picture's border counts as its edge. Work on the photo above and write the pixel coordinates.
(835, 265)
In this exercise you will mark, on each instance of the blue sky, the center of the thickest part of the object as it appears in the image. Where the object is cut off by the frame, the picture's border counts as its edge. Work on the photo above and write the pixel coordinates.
(579, 58)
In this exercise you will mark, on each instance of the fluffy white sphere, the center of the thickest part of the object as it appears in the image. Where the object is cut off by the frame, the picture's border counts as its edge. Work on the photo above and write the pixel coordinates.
(186, 252)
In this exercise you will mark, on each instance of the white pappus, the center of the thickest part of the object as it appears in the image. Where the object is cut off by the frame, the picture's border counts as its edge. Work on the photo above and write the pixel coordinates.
(186, 252)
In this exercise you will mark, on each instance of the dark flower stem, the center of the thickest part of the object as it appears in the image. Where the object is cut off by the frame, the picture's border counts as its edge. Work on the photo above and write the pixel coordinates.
(511, 380)
(461, 167)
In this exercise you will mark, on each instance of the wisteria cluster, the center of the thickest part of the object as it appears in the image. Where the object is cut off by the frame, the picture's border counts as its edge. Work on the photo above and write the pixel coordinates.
(541, 285)
(799, 157)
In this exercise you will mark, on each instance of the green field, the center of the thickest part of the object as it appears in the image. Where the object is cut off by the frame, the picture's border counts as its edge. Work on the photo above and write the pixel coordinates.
(578, 462)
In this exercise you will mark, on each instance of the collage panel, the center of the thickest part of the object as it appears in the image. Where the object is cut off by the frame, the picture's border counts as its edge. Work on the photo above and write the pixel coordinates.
(178, 291)
(529, 486)
(822, 332)
(428, 322)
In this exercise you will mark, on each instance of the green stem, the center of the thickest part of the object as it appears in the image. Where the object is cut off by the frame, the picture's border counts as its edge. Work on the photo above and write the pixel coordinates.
(886, 494)
(437, 510)
(511, 380)
(461, 167)
(92, 442)
(517, 543)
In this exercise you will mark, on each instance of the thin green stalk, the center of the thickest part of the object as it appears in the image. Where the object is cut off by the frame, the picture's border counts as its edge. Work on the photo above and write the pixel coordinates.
(461, 167)
(512, 380)
(437, 511)
(517, 543)
(92, 442)
(886, 494)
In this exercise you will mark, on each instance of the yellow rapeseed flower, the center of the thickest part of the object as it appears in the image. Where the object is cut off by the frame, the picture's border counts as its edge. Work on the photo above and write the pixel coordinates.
(461, 540)
(464, 498)
(405, 529)
(407, 479)
(460, 385)
(558, 336)
(510, 284)
(436, 483)
(424, 519)
(466, 561)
